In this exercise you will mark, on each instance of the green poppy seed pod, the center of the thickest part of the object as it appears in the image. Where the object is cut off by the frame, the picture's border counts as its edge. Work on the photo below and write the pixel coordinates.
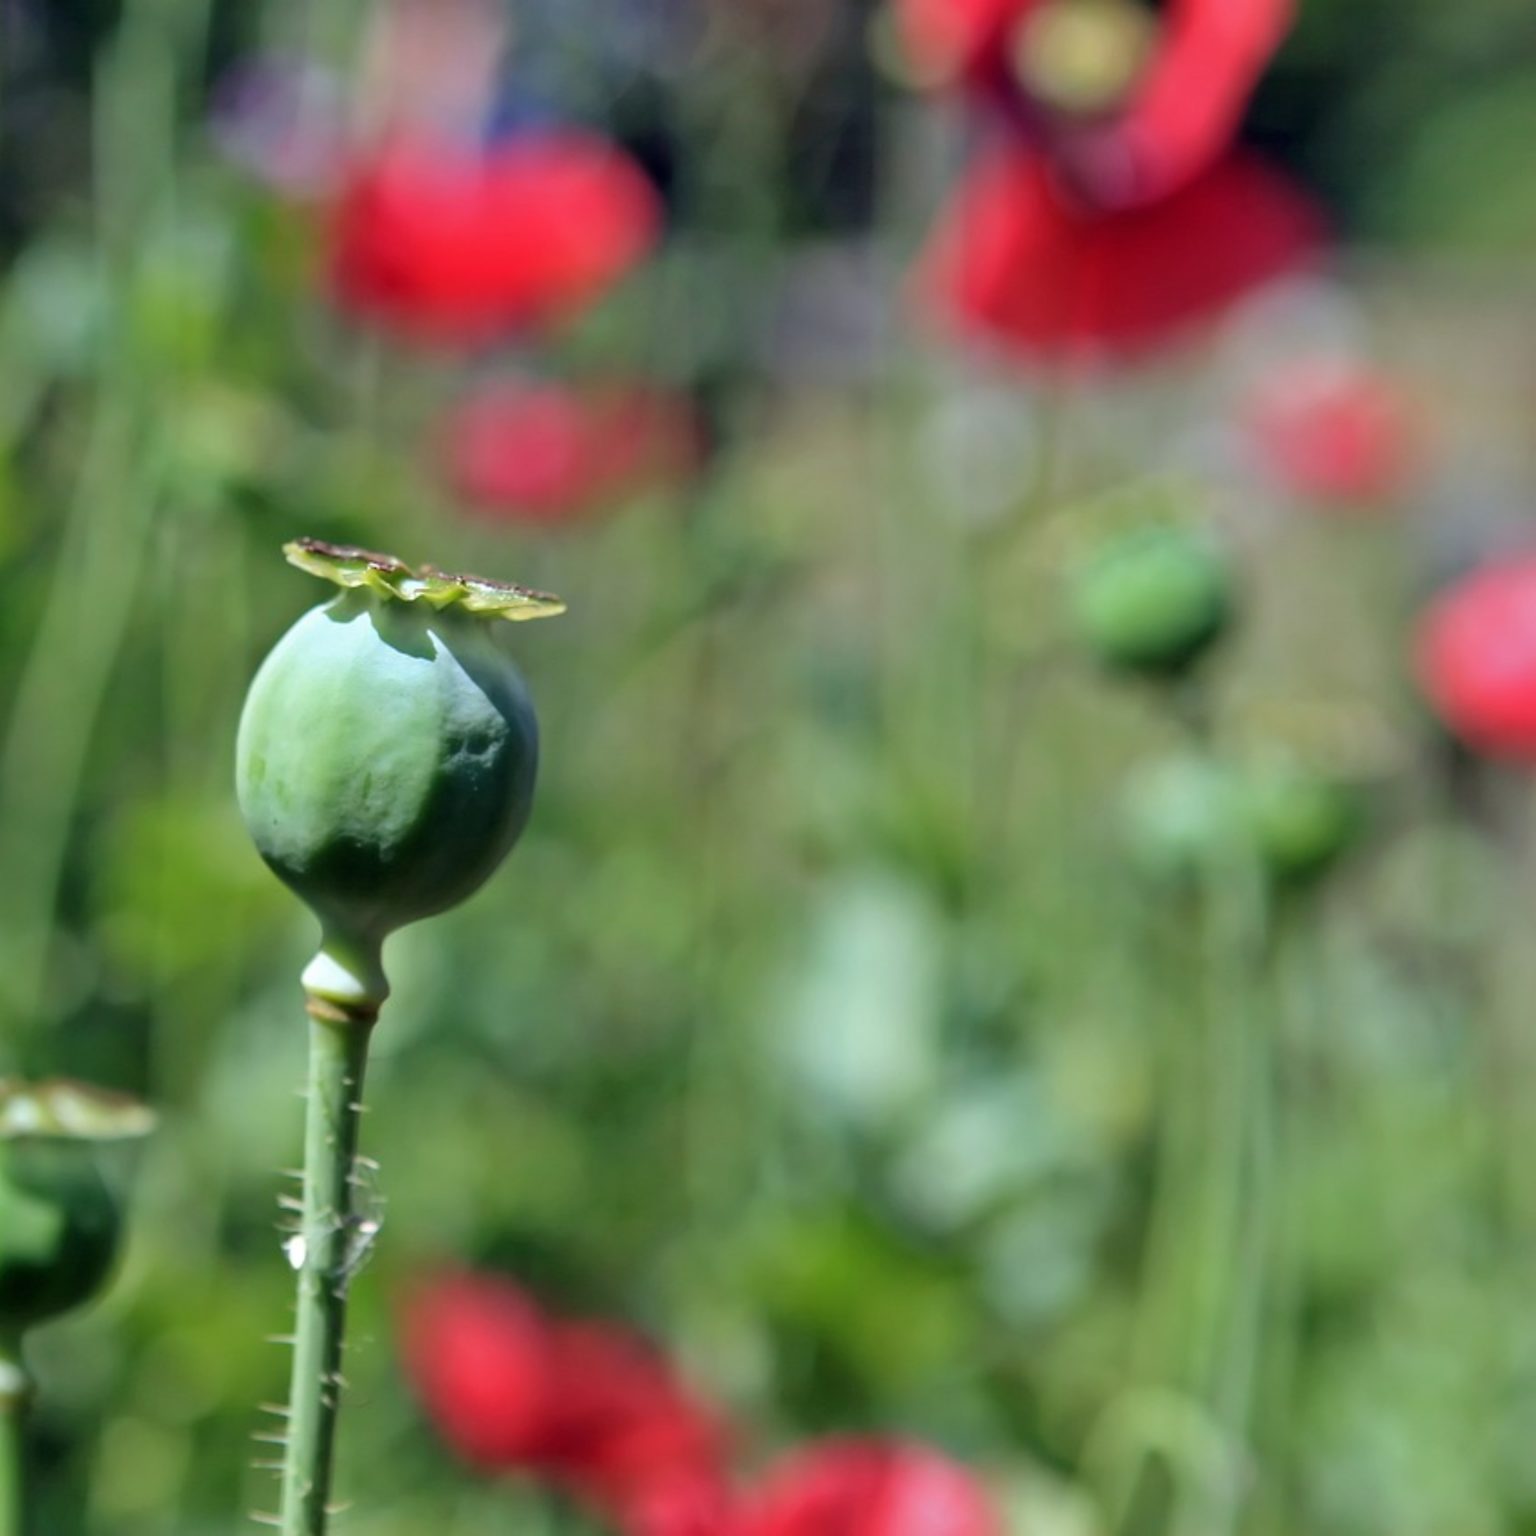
(60, 1222)
(60, 1226)
(1303, 822)
(387, 754)
(1154, 601)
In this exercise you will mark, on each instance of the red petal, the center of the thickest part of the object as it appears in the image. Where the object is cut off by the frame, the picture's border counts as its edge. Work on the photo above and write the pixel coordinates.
(476, 1351)
(1476, 656)
(1336, 435)
(625, 1424)
(870, 1488)
(1014, 261)
(547, 454)
(450, 245)
(1189, 104)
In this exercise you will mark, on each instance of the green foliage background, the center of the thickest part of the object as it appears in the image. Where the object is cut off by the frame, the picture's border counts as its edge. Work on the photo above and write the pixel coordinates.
(822, 1025)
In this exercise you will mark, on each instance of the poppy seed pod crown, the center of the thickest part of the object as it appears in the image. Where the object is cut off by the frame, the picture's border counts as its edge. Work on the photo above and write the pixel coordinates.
(387, 754)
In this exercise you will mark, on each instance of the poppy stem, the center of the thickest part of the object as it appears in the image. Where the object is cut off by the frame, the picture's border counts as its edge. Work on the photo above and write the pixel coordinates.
(1292, 963)
(322, 1254)
(15, 1395)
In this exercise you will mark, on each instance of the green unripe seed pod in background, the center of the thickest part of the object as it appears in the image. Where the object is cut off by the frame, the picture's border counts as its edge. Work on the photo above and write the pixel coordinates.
(387, 754)
(1303, 822)
(60, 1222)
(1153, 601)
(60, 1226)
(1182, 818)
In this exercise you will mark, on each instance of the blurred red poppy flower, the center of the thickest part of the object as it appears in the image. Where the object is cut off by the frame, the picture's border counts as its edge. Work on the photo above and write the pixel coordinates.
(1187, 105)
(1475, 656)
(1129, 106)
(478, 1353)
(854, 1487)
(587, 1406)
(1336, 433)
(681, 1506)
(622, 1428)
(544, 453)
(457, 245)
(1016, 261)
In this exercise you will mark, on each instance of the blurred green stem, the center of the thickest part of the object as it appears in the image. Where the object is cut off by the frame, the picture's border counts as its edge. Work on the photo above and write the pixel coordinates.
(1291, 963)
(338, 1049)
(15, 1395)
(1179, 1151)
(730, 193)
(96, 573)
(997, 696)
(1210, 1226)
(59, 697)
(1206, 1306)
(1227, 1197)
(1243, 1248)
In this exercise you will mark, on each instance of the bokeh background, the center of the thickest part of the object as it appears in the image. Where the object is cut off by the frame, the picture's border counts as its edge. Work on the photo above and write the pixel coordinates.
(860, 1017)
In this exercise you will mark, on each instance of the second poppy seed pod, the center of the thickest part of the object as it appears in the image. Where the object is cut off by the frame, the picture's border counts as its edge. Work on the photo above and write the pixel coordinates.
(61, 1230)
(1182, 819)
(60, 1222)
(1303, 821)
(1153, 601)
(387, 754)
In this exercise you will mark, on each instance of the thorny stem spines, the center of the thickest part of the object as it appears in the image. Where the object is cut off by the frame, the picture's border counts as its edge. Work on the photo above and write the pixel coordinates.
(325, 1260)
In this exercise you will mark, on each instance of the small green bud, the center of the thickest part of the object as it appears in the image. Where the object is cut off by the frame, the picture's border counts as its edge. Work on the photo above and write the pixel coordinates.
(1302, 821)
(59, 1221)
(387, 754)
(1183, 818)
(1153, 601)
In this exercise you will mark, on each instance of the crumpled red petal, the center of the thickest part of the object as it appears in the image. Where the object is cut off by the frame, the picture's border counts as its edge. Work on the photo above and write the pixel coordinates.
(1016, 263)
